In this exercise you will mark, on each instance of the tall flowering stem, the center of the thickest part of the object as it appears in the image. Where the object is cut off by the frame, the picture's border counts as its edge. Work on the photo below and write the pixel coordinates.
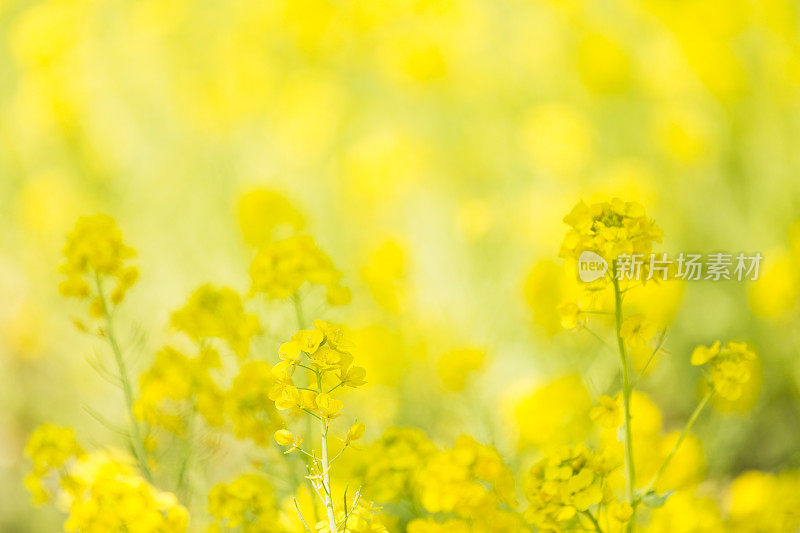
(323, 353)
(94, 255)
(137, 444)
(627, 389)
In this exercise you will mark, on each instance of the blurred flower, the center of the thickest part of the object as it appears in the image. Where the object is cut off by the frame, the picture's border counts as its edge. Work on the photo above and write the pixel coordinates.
(608, 412)
(280, 268)
(49, 448)
(246, 503)
(547, 287)
(683, 512)
(94, 252)
(554, 413)
(729, 366)
(174, 386)
(760, 501)
(637, 331)
(248, 404)
(470, 480)
(263, 213)
(385, 274)
(456, 366)
(217, 312)
(109, 495)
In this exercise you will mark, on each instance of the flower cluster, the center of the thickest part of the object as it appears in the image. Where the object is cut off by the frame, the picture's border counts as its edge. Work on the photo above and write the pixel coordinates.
(323, 353)
(472, 482)
(108, 495)
(213, 312)
(95, 253)
(730, 366)
(760, 501)
(387, 468)
(244, 504)
(325, 349)
(565, 486)
(102, 492)
(174, 386)
(281, 267)
(456, 366)
(50, 447)
(285, 261)
(263, 213)
(248, 406)
(609, 229)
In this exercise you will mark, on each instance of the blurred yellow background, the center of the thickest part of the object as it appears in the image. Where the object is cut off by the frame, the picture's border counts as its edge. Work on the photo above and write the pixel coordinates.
(433, 148)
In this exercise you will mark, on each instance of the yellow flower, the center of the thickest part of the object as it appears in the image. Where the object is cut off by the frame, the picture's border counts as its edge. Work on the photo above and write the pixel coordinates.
(470, 481)
(456, 366)
(173, 384)
(281, 267)
(637, 331)
(703, 354)
(569, 315)
(262, 213)
(289, 351)
(245, 503)
(248, 404)
(328, 406)
(547, 286)
(108, 495)
(351, 376)
(553, 413)
(217, 312)
(355, 432)
(621, 510)
(335, 335)
(609, 229)
(284, 437)
(385, 275)
(608, 413)
(566, 482)
(49, 448)
(94, 253)
(308, 340)
(761, 501)
(731, 367)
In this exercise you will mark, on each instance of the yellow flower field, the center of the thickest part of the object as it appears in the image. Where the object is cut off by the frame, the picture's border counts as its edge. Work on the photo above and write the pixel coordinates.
(424, 266)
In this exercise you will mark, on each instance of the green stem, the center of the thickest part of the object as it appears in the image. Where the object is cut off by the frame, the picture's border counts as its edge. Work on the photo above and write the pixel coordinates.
(626, 395)
(689, 424)
(650, 359)
(298, 311)
(183, 489)
(138, 443)
(324, 464)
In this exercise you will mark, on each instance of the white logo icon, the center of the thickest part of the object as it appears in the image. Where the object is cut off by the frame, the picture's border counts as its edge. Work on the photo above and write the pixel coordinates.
(591, 266)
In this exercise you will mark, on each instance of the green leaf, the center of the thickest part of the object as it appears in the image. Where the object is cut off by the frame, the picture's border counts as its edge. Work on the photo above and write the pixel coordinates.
(653, 500)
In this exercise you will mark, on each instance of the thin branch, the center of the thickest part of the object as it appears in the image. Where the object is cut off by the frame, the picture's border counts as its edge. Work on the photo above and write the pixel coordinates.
(300, 515)
(650, 359)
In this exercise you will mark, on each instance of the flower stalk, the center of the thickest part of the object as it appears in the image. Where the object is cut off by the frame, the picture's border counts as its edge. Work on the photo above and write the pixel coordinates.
(630, 469)
(137, 441)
